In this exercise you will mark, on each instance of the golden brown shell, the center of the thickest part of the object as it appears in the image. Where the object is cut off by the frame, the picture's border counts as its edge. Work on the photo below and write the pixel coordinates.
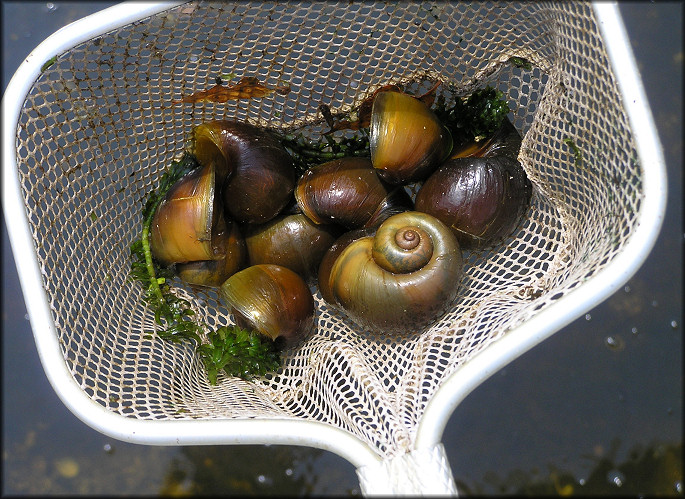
(186, 222)
(407, 140)
(271, 300)
(402, 279)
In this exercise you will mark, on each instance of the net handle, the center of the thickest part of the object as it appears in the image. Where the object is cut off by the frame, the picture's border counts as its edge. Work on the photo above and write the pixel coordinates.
(419, 472)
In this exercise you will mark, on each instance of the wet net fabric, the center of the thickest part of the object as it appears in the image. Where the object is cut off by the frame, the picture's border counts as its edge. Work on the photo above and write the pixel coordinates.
(98, 129)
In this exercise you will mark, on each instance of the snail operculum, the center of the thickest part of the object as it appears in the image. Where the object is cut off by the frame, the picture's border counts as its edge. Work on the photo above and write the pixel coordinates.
(506, 141)
(401, 279)
(213, 273)
(407, 140)
(208, 146)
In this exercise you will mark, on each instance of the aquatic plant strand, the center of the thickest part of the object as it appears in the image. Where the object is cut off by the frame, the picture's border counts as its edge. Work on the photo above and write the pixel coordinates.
(237, 352)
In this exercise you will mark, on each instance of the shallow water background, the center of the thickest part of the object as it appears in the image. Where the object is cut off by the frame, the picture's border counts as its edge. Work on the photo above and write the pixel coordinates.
(595, 409)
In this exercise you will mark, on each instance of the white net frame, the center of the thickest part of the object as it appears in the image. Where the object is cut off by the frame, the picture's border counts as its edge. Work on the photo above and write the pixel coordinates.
(97, 129)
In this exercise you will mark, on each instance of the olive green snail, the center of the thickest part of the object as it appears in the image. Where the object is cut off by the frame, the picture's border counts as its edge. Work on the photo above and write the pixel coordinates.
(271, 300)
(406, 138)
(291, 240)
(401, 279)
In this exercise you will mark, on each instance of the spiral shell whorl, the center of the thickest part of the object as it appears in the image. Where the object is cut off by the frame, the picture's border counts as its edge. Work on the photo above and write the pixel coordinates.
(390, 301)
(402, 248)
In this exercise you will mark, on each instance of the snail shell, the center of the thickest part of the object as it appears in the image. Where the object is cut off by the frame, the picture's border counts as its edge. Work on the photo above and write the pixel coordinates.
(292, 241)
(187, 220)
(332, 254)
(402, 279)
(348, 192)
(258, 171)
(214, 272)
(482, 192)
(407, 140)
(271, 300)
(482, 199)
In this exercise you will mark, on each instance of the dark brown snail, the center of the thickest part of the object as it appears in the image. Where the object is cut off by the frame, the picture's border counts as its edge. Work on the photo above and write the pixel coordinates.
(292, 241)
(214, 272)
(401, 279)
(483, 199)
(271, 300)
(348, 192)
(407, 140)
(187, 220)
(259, 172)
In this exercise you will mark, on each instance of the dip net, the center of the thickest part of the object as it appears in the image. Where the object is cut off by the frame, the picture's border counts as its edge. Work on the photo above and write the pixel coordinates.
(98, 128)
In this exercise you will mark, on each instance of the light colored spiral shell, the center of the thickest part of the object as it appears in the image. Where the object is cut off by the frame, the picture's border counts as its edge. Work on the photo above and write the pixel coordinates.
(400, 280)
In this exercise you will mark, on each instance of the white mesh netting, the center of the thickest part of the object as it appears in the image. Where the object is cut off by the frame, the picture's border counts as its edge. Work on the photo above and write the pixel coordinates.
(98, 129)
